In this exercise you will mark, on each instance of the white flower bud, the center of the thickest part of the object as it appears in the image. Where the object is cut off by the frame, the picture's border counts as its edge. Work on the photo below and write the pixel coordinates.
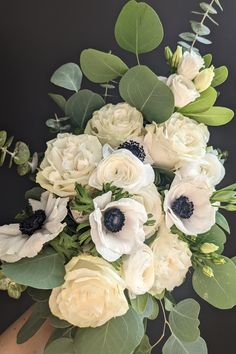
(207, 248)
(204, 79)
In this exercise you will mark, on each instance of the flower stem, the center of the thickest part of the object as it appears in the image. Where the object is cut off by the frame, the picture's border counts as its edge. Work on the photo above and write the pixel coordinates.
(166, 323)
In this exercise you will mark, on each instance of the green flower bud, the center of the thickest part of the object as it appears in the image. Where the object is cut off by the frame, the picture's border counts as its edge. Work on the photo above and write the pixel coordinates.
(168, 54)
(207, 248)
(208, 271)
(204, 79)
(219, 260)
(176, 57)
(4, 283)
(14, 290)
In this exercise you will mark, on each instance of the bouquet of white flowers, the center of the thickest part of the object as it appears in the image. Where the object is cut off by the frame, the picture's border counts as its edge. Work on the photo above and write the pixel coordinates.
(126, 201)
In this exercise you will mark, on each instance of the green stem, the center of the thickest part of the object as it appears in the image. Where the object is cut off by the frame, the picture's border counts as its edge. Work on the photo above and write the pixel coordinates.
(166, 323)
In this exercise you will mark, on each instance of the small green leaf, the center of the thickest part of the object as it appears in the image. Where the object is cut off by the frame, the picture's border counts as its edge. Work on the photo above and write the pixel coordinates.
(3, 137)
(184, 321)
(187, 36)
(45, 271)
(144, 347)
(199, 28)
(101, 67)
(215, 116)
(220, 290)
(202, 104)
(207, 60)
(81, 105)
(121, 335)
(34, 193)
(175, 346)
(23, 169)
(9, 142)
(138, 28)
(203, 40)
(61, 346)
(208, 8)
(68, 76)
(21, 153)
(59, 100)
(141, 88)
(222, 222)
(221, 75)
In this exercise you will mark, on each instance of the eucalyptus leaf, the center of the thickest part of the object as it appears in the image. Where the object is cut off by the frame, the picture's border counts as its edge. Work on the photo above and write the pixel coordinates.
(203, 40)
(220, 290)
(57, 323)
(215, 235)
(3, 137)
(45, 271)
(61, 346)
(34, 193)
(207, 60)
(59, 100)
(68, 76)
(215, 116)
(175, 346)
(138, 28)
(23, 169)
(208, 8)
(144, 347)
(199, 28)
(39, 295)
(201, 104)
(219, 4)
(222, 222)
(101, 67)
(21, 153)
(187, 36)
(141, 88)
(121, 335)
(221, 75)
(184, 44)
(184, 320)
(81, 105)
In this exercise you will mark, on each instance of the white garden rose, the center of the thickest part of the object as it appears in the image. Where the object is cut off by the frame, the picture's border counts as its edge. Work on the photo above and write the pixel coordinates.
(114, 124)
(204, 79)
(177, 140)
(183, 89)
(124, 170)
(208, 167)
(190, 65)
(27, 238)
(151, 200)
(187, 206)
(172, 259)
(69, 159)
(92, 294)
(117, 226)
(138, 271)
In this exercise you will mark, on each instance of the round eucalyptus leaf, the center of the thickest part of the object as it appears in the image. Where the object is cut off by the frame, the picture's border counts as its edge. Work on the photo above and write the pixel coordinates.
(144, 347)
(23, 169)
(175, 346)
(61, 346)
(3, 137)
(59, 100)
(138, 28)
(68, 76)
(199, 28)
(21, 153)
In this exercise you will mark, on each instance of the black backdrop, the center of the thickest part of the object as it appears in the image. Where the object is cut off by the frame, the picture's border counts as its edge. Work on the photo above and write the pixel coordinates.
(36, 37)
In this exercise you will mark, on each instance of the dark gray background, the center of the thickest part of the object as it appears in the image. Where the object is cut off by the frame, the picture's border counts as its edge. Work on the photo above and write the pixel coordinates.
(36, 37)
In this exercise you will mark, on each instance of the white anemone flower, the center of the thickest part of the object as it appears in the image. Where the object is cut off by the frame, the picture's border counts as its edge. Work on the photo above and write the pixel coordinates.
(187, 206)
(27, 238)
(117, 226)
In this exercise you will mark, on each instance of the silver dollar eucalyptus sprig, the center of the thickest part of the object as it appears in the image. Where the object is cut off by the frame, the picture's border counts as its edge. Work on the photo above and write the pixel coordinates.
(199, 28)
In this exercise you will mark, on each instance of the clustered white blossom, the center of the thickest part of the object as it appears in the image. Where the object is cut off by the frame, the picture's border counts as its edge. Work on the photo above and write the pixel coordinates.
(118, 149)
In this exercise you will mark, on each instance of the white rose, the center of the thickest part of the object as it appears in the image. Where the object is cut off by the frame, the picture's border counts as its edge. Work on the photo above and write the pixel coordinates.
(188, 207)
(172, 259)
(117, 227)
(69, 159)
(204, 79)
(209, 167)
(151, 200)
(114, 124)
(93, 293)
(183, 89)
(190, 65)
(177, 140)
(138, 270)
(124, 170)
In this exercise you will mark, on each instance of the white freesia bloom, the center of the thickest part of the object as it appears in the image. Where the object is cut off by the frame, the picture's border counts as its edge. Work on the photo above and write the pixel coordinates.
(117, 227)
(190, 65)
(27, 238)
(69, 159)
(93, 293)
(188, 207)
(209, 167)
(204, 79)
(151, 200)
(183, 89)
(172, 259)
(177, 140)
(124, 170)
(114, 124)
(138, 270)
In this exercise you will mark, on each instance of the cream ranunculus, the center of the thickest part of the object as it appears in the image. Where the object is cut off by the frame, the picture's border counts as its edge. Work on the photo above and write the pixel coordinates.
(117, 227)
(69, 159)
(177, 140)
(204, 79)
(172, 259)
(183, 89)
(27, 239)
(92, 294)
(124, 170)
(190, 65)
(151, 200)
(114, 124)
(138, 271)
(187, 206)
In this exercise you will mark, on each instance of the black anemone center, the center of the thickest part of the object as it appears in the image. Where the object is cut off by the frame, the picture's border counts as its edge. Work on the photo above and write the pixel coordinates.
(114, 219)
(33, 223)
(183, 207)
(134, 147)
